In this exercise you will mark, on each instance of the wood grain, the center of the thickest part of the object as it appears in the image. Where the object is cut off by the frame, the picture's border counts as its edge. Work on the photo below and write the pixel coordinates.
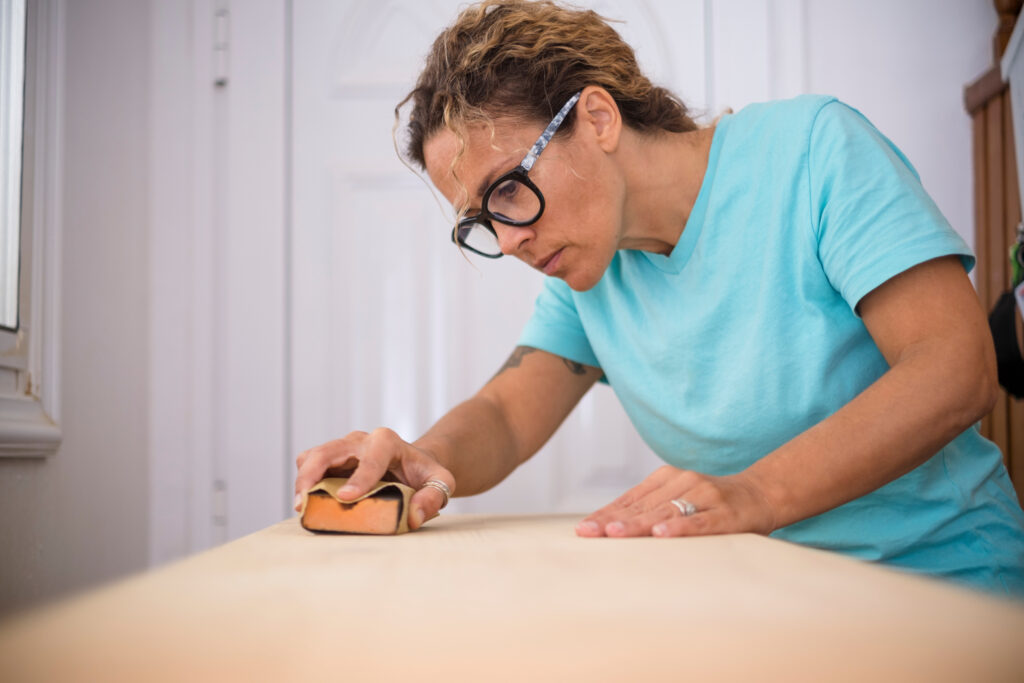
(1014, 451)
(995, 274)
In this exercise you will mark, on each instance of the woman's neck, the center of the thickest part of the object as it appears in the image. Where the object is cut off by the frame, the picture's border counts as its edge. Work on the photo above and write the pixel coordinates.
(663, 175)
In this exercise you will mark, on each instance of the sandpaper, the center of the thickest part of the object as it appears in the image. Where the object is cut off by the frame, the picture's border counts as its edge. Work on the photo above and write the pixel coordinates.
(384, 509)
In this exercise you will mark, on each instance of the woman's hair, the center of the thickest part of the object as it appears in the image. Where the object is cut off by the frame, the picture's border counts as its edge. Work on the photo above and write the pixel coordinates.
(524, 60)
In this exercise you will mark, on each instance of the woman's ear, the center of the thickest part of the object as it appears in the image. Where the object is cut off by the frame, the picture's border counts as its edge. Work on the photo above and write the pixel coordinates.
(598, 112)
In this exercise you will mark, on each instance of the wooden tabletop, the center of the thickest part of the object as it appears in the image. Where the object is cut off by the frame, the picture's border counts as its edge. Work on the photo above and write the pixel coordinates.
(503, 598)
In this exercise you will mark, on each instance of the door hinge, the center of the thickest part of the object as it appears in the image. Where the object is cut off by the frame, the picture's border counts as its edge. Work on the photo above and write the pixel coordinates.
(220, 503)
(221, 45)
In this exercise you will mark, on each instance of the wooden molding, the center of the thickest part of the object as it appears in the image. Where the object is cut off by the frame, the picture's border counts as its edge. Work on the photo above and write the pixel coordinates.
(978, 93)
(1007, 11)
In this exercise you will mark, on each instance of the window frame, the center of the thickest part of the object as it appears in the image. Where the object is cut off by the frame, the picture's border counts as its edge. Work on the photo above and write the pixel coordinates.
(12, 353)
(29, 374)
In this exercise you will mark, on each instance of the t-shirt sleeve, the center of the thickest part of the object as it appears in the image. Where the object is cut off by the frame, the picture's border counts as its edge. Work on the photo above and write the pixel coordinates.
(872, 217)
(555, 325)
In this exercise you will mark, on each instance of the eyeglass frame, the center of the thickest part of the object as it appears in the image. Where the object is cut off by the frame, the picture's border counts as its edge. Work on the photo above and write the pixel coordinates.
(519, 173)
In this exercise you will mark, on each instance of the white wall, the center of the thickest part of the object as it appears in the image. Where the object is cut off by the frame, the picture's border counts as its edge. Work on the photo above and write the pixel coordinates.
(904, 64)
(83, 516)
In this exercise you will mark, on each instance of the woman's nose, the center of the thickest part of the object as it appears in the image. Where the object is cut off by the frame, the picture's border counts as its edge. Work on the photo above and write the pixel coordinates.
(510, 237)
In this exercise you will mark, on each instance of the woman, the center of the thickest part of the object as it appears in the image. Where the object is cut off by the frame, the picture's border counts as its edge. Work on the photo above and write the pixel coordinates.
(781, 309)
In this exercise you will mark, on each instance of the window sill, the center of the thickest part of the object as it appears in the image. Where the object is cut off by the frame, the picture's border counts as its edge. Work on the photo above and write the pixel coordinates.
(26, 431)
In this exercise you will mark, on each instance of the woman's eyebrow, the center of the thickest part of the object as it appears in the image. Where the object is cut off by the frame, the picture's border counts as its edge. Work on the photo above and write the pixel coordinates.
(490, 177)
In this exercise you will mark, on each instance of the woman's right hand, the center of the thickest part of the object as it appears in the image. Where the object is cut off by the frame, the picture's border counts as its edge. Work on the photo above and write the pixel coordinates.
(365, 458)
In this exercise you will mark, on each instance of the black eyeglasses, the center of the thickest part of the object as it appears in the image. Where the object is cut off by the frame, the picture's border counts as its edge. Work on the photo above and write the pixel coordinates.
(512, 199)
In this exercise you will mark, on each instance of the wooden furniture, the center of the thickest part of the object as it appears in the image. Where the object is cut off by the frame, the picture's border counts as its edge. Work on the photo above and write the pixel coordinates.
(503, 598)
(997, 212)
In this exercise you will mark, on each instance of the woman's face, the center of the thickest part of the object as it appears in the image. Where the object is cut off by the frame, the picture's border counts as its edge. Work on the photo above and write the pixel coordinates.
(580, 229)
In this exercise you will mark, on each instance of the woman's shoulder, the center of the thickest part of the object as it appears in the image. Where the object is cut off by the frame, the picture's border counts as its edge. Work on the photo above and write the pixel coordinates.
(807, 122)
(796, 113)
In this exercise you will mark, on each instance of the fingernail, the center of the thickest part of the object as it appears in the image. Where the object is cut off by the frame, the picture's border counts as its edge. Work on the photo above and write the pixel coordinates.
(417, 516)
(345, 491)
(659, 529)
(588, 527)
(298, 500)
(615, 528)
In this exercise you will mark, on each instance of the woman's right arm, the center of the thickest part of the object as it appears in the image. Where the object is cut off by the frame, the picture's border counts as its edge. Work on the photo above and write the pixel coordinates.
(476, 444)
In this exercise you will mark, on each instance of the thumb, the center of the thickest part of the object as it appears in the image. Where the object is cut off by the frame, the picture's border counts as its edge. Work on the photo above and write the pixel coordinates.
(427, 502)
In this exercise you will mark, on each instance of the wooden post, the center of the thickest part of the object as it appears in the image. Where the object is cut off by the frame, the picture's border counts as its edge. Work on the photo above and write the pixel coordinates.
(997, 212)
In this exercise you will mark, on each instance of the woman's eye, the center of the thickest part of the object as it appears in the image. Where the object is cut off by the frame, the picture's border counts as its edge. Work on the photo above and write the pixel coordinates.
(507, 190)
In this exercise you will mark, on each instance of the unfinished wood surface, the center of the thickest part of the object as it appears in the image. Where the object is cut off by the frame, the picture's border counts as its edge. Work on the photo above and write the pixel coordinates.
(503, 598)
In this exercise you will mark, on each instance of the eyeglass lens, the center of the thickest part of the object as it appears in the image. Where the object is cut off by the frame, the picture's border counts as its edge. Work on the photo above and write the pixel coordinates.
(477, 237)
(514, 201)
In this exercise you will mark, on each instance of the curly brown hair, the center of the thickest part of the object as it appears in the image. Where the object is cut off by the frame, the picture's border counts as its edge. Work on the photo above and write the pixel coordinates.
(524, 60)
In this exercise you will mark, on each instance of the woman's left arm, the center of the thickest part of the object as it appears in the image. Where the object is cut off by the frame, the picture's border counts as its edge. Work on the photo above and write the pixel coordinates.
(929, 325)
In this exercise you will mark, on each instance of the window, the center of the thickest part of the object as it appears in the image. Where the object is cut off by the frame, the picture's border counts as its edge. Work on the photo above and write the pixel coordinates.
(31, 46)
(12, 88)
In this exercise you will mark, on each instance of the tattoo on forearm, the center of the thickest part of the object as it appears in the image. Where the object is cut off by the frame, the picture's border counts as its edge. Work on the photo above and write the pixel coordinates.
(574, 367)
(520, 352)
(515, 359)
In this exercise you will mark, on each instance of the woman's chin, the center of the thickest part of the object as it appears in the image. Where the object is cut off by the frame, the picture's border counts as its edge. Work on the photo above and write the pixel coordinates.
(581, 281)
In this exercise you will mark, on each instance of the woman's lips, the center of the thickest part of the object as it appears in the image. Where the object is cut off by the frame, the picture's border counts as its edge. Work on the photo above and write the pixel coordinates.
(552, 263)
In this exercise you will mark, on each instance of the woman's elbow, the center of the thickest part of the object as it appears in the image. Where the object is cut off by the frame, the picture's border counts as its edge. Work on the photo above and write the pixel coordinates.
(988, 394)
(969, 384)
(983, 384)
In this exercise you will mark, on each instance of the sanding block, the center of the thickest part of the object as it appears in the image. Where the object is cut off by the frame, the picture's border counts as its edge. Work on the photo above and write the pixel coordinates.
(384, 509)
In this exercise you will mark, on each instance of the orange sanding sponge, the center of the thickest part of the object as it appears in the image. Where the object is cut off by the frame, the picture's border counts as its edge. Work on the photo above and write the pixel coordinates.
(384, 509)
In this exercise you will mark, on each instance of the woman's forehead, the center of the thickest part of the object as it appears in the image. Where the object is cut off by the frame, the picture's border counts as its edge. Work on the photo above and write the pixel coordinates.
(482, 152)
(439, 151)
(480, 140)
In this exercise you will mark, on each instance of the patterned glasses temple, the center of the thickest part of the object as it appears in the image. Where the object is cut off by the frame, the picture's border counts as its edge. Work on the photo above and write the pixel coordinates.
(549, 132)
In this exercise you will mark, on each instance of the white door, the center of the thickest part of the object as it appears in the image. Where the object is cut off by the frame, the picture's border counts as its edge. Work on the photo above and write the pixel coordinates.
(391, 325)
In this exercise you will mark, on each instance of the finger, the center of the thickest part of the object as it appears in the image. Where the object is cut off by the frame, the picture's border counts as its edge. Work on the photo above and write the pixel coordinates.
(648, 496)
(711, 514)
(318, 461)
(375, 457)
(702, 523)
(303, 457)
(652, 483)
(596, 522)
(719, 511)
(593, 525)
(641, 524)
(427, 501)
(316, 464)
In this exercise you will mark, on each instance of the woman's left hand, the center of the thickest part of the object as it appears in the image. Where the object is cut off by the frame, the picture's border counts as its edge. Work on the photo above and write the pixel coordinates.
(724, 505)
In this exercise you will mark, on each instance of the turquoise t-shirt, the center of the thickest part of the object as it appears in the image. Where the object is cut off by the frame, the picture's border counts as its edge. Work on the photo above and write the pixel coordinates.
(747, 334)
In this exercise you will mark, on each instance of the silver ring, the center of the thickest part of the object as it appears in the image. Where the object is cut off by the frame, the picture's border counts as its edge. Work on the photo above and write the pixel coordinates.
(685, 507)
(440, 486)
